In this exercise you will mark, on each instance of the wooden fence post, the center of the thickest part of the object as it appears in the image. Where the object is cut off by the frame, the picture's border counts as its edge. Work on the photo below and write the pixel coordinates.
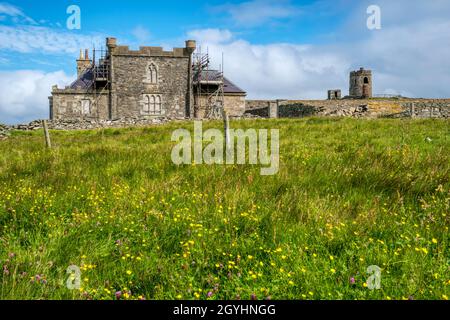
(47, 134)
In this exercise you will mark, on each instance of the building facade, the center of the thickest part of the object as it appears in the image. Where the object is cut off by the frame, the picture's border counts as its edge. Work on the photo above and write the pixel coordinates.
(144, 83)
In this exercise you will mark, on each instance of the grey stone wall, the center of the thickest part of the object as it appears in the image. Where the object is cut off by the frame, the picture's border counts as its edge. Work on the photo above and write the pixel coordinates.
(234, 104)
(367, 108)
(71, 104)
(4, 131)
(76, 124)
(427, 109)
(132, 85)
(144, 83)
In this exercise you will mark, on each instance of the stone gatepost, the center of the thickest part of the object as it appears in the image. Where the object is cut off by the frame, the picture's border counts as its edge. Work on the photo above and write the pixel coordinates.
(273, 109)
(413, 110)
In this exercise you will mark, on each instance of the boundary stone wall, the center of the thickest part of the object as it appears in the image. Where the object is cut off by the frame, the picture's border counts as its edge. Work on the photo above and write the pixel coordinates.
(365, 108)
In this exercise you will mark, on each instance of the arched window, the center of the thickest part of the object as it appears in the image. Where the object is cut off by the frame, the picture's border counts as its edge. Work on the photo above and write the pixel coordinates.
(146, 107)
(153, 73)
(366, 80)
(158, 105)
(152, 105)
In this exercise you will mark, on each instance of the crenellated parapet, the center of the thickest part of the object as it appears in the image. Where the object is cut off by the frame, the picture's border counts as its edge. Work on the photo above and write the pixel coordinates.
(152, 52)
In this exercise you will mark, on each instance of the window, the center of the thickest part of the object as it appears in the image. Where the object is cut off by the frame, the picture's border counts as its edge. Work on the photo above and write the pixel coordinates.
(158, 105)
(153, 73)
(146, 107)
(85, 107)
(152, 105)
(366, 80)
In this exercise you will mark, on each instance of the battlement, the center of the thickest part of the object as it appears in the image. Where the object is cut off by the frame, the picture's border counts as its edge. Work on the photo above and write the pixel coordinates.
(361, 72)
(151, 52)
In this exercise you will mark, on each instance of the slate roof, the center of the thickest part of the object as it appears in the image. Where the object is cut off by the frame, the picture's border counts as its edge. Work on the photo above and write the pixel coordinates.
(214, 75)
(85, 81)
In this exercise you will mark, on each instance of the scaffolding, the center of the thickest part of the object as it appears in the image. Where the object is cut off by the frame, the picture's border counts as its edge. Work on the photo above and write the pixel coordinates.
(100, 74)
(208, 87)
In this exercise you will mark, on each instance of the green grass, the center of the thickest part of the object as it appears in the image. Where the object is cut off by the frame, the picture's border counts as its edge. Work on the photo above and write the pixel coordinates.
(349, 194)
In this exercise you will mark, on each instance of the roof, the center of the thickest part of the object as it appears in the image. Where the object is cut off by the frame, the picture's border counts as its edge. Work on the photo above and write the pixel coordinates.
(85, 81)
(215, 75)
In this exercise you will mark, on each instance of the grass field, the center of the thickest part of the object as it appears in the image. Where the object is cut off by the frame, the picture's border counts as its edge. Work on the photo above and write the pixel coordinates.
(349, 194)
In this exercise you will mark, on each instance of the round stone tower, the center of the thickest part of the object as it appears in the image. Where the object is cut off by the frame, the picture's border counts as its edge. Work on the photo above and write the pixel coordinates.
(361, 83)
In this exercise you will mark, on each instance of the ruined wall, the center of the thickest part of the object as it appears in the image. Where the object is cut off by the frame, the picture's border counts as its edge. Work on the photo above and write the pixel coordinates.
(427, 109)
(367, 108)
(235, 105)
(133, 84)
(257, 104)
(77, 104)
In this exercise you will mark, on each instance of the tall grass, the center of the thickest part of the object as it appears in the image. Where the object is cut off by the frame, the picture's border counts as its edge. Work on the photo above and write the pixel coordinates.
(349, 194)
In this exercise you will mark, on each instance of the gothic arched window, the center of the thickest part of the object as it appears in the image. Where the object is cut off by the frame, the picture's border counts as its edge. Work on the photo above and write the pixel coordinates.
(153, 73)
(158, 105)
(152, 104)
(146, 107)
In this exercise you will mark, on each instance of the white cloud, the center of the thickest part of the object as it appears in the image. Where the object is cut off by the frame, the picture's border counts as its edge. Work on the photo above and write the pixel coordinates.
(408, 56)
(141, 34)
(15, 12)
(257, 12)
(26, 39)
(210, 35)
(280, 70)
(25, 94)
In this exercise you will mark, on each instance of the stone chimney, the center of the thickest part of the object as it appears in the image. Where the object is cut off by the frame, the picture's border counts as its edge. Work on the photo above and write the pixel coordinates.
(190, 46)
(83, 62)
(111, 44)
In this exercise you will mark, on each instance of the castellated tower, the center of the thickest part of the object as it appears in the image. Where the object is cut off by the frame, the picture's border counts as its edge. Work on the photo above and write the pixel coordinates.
(361, 83)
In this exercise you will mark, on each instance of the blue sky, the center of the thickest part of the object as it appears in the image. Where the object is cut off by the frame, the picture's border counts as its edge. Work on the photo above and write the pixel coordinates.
(273, 49)
(167, 23)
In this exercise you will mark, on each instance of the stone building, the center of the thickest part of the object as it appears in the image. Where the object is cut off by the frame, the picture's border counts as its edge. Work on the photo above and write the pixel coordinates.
(144, 83)
(334, 94)
(361, 84)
